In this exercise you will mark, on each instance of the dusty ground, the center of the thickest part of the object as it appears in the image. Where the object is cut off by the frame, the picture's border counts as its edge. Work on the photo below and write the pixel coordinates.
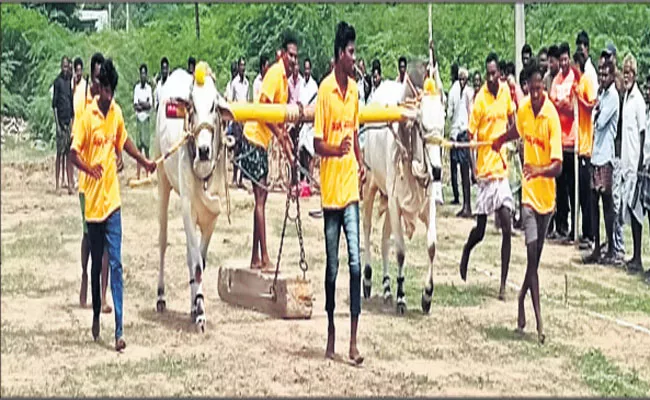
(464, 347)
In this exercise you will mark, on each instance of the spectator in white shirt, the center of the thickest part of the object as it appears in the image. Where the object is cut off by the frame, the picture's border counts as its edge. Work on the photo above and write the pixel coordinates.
(257, 83)
(237, 91)
(457, 112)
(363, 82)
(308, 88)
(233, 73)
(401, 67)
(164, 73)
(308, 93)
(142, 104)
(376, 78)
(239, 86)
(632, 140)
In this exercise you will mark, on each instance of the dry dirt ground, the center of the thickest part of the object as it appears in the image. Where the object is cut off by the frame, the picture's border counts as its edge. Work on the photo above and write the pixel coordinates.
(466, 346)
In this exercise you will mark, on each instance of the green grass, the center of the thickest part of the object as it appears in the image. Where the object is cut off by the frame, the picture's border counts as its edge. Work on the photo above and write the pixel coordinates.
(525, 346)
(604, 299)
(449, 295)
(25, 282)
(605, 378)
(171, 366)
(14, 151)
(44, 245)
(40, 340)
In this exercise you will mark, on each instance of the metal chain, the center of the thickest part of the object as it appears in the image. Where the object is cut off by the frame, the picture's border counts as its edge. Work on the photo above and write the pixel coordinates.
(292, 194)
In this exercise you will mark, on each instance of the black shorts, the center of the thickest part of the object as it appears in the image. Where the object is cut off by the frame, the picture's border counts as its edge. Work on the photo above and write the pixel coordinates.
(63, 139)
(254, 161)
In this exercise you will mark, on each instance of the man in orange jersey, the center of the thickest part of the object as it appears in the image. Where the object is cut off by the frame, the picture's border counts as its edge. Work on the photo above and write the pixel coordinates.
(538, 124)
(492, 113)
(257, 137)
(99, 132)
(91, 90)
(336, 140)
(586, 97)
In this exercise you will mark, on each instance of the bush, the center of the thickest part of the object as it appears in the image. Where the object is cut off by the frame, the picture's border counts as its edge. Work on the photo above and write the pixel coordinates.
(464, 33)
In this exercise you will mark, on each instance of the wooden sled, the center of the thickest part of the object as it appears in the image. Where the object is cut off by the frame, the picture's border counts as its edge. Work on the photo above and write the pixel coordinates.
(242, 286)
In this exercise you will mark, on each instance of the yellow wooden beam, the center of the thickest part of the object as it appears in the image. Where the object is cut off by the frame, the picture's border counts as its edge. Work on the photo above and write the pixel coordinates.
(282, 113)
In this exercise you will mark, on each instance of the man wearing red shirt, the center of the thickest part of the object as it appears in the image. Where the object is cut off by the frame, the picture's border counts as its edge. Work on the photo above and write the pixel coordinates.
(563, 97)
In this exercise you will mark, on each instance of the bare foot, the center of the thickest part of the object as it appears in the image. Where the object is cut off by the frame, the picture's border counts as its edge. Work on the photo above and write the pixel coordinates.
(83, 292)
(329, 352)
(355, 356)
(268, 267)
(502, 293)
(521, 318)
(106, 309)
(541, 338)
(463, 263)
(256, 265)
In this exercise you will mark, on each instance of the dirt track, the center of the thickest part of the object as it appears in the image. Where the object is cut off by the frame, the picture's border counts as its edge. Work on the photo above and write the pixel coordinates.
(465, 347)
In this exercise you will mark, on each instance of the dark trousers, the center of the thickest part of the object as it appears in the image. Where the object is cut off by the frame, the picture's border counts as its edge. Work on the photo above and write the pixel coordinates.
(346, 219)
(565, 194)
(107, 233)
(461, 157)
(585, 192)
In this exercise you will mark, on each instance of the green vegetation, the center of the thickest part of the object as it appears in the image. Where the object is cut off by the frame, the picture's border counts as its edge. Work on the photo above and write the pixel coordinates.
(601, 298)
(607, 379)
(36, 37)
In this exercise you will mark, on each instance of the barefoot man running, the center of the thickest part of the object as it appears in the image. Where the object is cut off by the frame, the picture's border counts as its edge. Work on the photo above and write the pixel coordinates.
(492, 113)
(538, 124)
(336, 140)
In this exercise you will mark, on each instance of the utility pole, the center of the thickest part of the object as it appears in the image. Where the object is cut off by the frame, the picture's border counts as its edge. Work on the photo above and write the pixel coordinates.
(520, 35)
(127, 17)
(110, 20)
(196, 18)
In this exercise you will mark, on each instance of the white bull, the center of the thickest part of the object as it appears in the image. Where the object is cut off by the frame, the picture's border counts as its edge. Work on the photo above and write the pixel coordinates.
(406, 172)
(197, 172)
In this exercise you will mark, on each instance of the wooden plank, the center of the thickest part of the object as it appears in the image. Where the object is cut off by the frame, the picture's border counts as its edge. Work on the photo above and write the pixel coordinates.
(242, 286)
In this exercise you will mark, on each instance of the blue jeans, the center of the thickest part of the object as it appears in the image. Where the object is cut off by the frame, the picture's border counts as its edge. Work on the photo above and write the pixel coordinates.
(107, 233)
(348, 219)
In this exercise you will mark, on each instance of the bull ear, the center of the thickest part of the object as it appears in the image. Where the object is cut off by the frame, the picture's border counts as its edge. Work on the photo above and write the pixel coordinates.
(224, 109)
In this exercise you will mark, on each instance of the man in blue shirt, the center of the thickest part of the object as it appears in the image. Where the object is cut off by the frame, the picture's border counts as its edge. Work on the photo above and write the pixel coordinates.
(605, 125)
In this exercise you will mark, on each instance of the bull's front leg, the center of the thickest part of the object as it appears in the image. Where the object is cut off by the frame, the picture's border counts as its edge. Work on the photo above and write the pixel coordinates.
(199, 300)
(194, 258)
(368, 203)
(427, 291)
(385, 251)
(434, 196)
(164, 191)
(398, 236)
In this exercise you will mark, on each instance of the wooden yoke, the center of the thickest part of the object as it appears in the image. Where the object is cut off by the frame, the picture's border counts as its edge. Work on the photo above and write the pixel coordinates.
(291, 113)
